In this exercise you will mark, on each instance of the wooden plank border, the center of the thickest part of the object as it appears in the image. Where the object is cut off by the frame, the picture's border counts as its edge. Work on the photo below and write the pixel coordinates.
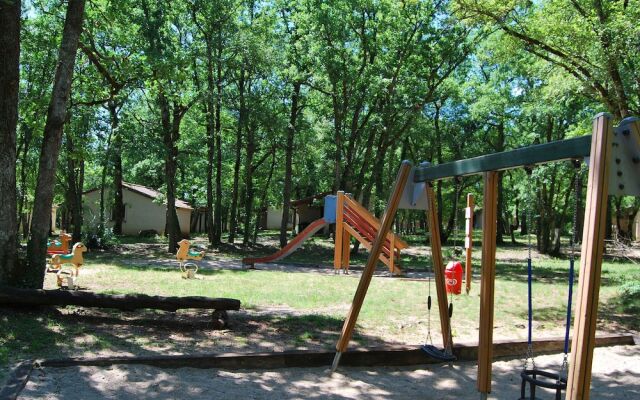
(361, 357)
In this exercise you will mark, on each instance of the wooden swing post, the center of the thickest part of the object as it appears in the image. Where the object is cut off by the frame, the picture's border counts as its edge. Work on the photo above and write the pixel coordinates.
(374, 254)
(487, 282)
(438, 266)
(595, 222)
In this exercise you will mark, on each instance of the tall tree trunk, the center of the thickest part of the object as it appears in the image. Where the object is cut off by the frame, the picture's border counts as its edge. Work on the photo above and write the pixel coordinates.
(118, 202)
(27, 132)
(171, 119)
(103, 183)
(75, 178)
(233, 224)
(248, 185)
(56, 116)
(500, 211)
(288, 163)
(217, 213)
(211, 115)
(9, 87)
(263, 198)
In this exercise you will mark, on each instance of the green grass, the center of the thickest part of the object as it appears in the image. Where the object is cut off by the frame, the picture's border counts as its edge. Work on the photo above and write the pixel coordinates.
(394, 310)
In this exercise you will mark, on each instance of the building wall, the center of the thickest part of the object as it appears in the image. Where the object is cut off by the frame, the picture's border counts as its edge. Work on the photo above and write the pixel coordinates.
(141, 213)
(636, 228)
(184, 219)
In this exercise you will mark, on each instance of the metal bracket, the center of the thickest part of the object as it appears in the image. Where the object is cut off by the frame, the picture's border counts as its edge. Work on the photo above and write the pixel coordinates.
(414, 195)
(624, 176)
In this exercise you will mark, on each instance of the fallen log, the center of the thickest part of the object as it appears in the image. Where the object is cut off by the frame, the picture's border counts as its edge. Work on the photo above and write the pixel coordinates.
(40, 297)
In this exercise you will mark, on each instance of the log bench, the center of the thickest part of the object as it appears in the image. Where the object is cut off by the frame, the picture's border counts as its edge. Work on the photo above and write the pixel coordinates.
(126, 302)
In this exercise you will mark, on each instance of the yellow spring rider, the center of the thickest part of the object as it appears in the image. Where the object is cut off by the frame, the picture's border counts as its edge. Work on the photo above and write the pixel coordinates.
(183, 256)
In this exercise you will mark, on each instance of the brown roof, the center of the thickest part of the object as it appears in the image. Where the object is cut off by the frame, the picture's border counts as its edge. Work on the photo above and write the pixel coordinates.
(150, 193)
(153, 194)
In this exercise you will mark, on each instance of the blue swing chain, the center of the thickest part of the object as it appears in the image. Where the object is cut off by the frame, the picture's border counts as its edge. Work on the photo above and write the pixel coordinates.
(529, 355)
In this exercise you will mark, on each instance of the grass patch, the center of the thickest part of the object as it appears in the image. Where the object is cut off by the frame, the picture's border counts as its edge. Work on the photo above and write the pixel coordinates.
(306, 310)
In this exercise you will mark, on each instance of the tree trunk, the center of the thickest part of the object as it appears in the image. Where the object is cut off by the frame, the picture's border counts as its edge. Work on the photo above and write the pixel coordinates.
(211, 115)
(75, 180)
(500, 211)
(9, 87)
(26, 297)
(171, 119)
(217, 213)
(27, 132)
(118, 202)
(248, 184)
(56, 116)
(288, 166)
(236, 167)
(263, 200)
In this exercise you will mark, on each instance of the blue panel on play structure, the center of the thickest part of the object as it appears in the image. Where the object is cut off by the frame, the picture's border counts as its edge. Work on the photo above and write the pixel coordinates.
(330, 209)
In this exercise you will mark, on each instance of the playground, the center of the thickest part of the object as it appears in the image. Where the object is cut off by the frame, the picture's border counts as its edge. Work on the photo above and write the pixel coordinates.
(291, 313)
(299, 306)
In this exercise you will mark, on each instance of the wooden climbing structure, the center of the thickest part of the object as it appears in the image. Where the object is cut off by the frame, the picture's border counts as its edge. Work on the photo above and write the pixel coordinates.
(353, 220)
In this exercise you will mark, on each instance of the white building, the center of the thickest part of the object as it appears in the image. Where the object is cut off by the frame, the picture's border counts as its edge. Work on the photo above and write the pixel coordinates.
(145, 209)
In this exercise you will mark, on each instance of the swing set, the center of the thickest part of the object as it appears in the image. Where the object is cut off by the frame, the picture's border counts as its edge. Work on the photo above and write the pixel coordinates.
(613, 157)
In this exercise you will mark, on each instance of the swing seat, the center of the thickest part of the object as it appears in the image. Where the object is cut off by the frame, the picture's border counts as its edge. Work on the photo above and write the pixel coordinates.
(436, 353)
(532, 377)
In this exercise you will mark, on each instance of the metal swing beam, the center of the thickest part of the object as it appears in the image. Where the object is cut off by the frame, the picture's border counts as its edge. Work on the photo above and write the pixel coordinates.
(568, 149)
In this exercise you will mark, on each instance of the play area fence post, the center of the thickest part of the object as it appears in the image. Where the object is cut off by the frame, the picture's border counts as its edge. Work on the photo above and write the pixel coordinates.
(438, 265)
(374, 254)
(579, 378)
(487, 282)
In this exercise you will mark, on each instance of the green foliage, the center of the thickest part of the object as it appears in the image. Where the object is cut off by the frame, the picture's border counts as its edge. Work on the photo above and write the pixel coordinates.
(380, 81)
(630, 296)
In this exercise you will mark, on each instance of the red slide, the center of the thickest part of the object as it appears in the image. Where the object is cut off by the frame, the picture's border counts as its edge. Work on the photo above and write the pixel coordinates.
(292, 246)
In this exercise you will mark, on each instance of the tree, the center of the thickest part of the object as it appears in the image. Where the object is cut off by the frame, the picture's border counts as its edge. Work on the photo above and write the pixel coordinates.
(167, 51)
(56, 117)
(9, 87)
(587, 40)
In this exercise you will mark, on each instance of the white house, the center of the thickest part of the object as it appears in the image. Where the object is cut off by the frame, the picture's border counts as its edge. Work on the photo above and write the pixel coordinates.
(145, 209)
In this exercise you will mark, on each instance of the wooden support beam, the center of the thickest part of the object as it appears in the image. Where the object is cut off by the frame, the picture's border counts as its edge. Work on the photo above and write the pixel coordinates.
(438, 265)
(376, 249)
(584, 328)
(346, 249)
(487, 284)
(468, 242)
(338, 246)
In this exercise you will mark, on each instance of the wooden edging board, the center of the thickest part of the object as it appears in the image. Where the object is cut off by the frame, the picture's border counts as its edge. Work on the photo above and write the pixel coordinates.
(368, 357)
(364, 357)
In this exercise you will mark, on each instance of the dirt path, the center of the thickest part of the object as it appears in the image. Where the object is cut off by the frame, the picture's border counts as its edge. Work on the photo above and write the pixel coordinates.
(616, 375)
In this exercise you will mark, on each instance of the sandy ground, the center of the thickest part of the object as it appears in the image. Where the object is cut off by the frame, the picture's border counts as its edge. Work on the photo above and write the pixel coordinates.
(616, 375)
